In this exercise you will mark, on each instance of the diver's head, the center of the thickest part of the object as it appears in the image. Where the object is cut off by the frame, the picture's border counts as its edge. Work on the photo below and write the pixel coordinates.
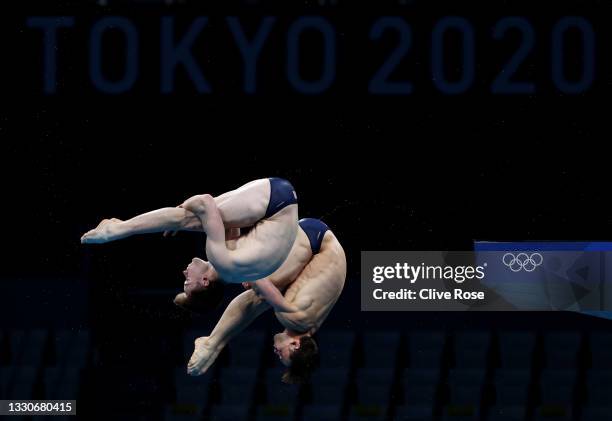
(199, 274)
(203, 287)
(299, 353)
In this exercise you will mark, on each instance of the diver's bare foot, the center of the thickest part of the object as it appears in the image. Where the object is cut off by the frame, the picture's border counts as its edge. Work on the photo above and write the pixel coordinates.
(105, 231)
(198, 204)
(202, 358)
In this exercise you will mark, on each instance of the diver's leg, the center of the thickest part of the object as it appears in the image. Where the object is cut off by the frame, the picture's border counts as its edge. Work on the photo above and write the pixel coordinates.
(246, 205)
(160, 220)
(238, 315)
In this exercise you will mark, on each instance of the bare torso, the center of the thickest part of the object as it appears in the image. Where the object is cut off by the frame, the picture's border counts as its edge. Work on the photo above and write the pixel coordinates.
(267, 244)
(299, 256)
(314, 282)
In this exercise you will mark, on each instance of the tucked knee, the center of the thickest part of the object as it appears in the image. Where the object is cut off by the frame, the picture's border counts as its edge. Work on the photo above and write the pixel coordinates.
(202, 203)
(207, 201)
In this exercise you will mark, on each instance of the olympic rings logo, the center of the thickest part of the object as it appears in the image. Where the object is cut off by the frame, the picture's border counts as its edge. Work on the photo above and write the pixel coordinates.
(522, 261)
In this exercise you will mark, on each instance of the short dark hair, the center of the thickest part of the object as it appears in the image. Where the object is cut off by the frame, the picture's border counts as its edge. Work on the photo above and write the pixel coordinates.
(304, 361)
(202, 301)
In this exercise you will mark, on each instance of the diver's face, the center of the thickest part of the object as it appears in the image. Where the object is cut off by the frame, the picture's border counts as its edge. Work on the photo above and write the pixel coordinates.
(198, 275)
(284, 347)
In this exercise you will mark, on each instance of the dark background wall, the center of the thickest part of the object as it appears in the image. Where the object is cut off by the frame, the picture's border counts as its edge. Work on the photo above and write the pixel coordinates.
(424, 171)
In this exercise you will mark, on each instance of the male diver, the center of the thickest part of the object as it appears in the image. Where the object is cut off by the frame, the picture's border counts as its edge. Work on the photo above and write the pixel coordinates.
(268, 206)
(312, 277)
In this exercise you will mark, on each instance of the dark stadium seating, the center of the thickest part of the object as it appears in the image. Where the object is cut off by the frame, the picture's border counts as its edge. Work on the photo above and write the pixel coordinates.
(382, 376)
